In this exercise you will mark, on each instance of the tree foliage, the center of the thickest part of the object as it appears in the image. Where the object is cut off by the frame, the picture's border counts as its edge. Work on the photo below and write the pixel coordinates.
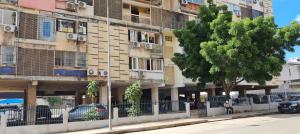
(54, 101)
(133, 95)
(230, 52)
(92, 90)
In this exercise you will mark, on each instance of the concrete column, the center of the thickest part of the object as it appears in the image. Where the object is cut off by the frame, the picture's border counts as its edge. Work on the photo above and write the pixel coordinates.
(268, 91)
(175, 99)
(154, 95)
(211, 92)
(30, 102)
(103, 95)
(187, 108)
(156, 109)
(154, 99)
(65, 120)
(242, 93)
(116, 113)
(3, 123)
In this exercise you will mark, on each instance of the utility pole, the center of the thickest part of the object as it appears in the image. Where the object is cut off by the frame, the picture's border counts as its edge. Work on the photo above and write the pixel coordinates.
(108, 67)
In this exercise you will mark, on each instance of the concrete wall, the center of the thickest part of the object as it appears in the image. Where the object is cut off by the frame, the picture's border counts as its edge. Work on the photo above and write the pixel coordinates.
(244, 108)
(85, 125)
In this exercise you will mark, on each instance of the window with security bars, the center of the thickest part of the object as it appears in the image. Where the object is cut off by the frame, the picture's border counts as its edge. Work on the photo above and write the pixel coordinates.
(70, 59)
(81, 60)
(46, 28)
(8, 55)
(145, 64)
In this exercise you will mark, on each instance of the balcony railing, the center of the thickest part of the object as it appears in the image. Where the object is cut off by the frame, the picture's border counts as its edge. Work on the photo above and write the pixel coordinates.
(136, 18)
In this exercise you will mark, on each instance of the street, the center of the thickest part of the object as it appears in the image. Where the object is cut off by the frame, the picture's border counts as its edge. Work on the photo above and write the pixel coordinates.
(270, 124)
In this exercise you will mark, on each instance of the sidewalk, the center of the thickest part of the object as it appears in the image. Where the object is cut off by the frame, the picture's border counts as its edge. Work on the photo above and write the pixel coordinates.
(170, 123)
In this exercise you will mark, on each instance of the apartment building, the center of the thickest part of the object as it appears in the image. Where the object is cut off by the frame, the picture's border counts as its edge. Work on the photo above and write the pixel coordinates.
(54, 47)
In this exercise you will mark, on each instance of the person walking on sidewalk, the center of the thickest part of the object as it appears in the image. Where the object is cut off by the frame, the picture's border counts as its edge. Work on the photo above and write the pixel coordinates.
(228, 108)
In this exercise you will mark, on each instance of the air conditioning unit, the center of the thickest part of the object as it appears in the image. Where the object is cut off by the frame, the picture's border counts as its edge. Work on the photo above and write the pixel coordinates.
(136, 44)
(255, 1)
(140, 74)
(71, 6)
(81, 38)
(184, 2)
(92, 72)
(9, 28)
(72, 36)
(81, 4)
(261, 3)
(103, 73)
(149, 46)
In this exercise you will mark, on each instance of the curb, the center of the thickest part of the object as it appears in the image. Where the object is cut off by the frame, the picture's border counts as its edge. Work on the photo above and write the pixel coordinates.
(183, 124)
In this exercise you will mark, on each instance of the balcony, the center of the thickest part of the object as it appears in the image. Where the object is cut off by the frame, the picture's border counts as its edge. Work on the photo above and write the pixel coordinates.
(147, 75)
(157, 51)
(136, 18)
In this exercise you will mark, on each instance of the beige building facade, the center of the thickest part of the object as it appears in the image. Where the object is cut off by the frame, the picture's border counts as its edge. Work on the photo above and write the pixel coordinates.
(54, 47)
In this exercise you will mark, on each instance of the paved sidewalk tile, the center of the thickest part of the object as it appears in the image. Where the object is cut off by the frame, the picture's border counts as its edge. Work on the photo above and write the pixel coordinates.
(171, 123)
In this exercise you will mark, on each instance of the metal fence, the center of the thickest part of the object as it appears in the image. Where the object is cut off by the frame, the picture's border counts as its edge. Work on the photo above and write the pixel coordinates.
(217, 101)
(171, 106)
(41, 114)
(88, 113)
(145, 108)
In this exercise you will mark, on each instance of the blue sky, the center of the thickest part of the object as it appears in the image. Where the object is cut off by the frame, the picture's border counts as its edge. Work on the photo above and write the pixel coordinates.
(286, 11)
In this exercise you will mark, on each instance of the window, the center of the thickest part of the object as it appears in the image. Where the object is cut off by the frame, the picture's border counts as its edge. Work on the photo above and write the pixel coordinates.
(147, 37)
(8, 55)
(199, 2)
(157, 64)
(59, 58)
(81, 60)
(134, 63)
(82, 28)
(141, 63)
(67, 26)
(145, 64)
(88, 2)
(70, 59)
(8, 17)
(46, 29)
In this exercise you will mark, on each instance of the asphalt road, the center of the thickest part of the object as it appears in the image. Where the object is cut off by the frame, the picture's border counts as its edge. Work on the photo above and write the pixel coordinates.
(270, 124)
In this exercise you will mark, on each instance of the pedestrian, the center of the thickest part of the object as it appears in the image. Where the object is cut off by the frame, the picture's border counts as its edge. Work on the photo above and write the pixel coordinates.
(228, 108)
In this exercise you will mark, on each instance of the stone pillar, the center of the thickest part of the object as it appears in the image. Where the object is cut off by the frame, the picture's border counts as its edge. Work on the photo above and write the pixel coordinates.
(154, 95)
(174, 99)
(103, 95)
(242, 93)
(211, 92)
(154, 98)
(268, 91)
(30, 102)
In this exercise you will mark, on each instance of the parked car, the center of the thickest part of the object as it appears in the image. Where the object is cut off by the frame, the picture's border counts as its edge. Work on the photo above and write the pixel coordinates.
(14, 113)
(43, 112)
(85, 112)
(255, 97)
(274, 98)
(290, 106)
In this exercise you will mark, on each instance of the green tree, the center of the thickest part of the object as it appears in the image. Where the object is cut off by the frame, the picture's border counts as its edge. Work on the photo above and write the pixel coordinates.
(190, 62)
(54, 101)
(133, 95)
(250, 50)
(92, 90)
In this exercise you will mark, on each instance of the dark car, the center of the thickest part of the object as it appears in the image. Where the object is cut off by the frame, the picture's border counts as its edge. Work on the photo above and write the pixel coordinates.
(290, 106)
(88, 112)
(43, 112)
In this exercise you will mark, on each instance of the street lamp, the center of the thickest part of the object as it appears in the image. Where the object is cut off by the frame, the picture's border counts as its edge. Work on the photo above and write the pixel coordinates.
(108, 67)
